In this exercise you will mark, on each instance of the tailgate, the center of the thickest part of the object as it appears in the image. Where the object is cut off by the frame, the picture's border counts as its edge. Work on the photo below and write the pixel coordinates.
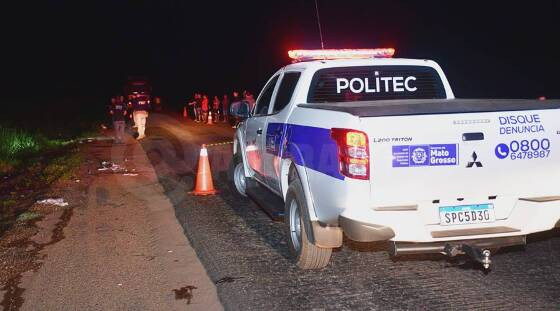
(464, 158)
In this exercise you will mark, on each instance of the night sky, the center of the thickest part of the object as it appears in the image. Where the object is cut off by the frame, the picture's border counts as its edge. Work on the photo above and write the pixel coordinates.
(87, 48)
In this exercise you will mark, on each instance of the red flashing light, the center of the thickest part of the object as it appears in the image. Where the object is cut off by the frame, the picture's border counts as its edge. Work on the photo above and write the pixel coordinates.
(353, 152)
(307, 55)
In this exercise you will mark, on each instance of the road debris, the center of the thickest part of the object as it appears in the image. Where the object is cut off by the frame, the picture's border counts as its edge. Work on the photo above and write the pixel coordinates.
(57, 202)
(110, 166)
(130, 174)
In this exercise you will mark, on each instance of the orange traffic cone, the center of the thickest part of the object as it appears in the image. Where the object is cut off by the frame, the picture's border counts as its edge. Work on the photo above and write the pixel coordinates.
(210, 118)
(204, 184)
(184, 112)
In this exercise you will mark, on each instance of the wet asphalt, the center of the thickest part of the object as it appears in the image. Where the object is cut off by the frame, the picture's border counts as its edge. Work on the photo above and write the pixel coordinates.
(246, 256)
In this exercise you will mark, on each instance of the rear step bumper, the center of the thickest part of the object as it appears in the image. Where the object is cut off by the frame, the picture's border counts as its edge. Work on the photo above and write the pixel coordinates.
(364, 232)
(409, 248)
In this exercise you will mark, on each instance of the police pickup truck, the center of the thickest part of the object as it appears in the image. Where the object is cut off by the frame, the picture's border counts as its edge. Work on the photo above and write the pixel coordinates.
(358, 143)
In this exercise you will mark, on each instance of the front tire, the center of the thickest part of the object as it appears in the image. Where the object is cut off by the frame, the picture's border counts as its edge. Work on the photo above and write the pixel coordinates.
(305, 253)
(237, 177)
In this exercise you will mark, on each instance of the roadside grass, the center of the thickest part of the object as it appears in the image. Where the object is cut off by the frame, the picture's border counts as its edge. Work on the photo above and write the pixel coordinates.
(63, 167)
(39, 146)
(19, 147)
(14, 145)
(29, 163)
(13, 141)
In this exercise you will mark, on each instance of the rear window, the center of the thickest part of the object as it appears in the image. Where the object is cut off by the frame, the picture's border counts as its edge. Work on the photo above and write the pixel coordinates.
(367, 83)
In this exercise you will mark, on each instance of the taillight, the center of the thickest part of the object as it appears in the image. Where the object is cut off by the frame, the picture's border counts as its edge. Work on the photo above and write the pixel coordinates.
(353, 152)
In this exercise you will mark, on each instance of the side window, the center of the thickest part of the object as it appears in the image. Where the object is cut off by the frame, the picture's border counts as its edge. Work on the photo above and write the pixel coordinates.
(286, 90)
(264, 100)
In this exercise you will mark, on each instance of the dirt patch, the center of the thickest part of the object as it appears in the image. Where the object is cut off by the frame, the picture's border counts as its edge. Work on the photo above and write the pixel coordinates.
(185, 292)
(20, 214)
(32, 181)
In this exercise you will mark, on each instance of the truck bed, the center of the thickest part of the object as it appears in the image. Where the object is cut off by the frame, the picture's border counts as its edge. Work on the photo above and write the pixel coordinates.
(382, 108)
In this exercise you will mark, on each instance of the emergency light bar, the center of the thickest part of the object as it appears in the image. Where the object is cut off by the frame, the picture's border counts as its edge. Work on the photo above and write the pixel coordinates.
(308, 55)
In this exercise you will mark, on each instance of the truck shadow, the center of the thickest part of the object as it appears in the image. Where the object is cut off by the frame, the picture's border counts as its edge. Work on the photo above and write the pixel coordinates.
(270, 231)
(177, 175)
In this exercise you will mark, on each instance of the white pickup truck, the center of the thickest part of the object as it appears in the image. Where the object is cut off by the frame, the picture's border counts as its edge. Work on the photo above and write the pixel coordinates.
(378, 149)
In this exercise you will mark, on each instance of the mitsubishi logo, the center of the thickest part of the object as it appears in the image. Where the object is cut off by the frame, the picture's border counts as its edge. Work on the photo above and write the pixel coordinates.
(474, 161)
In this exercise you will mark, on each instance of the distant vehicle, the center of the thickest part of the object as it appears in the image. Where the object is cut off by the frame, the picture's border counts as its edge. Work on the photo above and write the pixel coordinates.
(357, 143)
(141, 89)
(137, 87)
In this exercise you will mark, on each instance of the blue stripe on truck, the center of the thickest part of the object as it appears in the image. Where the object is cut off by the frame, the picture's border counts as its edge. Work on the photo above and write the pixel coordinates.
(308, 146)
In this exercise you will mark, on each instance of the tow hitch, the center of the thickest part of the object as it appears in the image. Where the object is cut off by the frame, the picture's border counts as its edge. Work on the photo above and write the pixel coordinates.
(475, 253)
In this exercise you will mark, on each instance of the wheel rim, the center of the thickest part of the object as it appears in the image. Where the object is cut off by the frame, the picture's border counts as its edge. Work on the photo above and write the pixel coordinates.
(239, 178)
(295, 225)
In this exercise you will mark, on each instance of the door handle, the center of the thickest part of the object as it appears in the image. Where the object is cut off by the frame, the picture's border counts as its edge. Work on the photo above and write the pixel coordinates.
(259, 131)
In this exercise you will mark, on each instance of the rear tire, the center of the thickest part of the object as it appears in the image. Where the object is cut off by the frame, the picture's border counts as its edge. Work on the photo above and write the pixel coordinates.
(236, 176)
(306, 254)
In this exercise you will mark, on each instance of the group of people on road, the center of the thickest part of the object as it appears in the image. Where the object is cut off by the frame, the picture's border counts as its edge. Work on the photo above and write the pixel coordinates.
(121, 110)
(225, 109)
(201, 109)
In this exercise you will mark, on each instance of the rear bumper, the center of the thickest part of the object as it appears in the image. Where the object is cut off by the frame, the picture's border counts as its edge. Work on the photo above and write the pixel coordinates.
(364, 232)
(367, 225)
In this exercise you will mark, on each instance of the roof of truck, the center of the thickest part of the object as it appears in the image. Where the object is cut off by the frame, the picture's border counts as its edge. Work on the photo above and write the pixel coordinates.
(383, 108)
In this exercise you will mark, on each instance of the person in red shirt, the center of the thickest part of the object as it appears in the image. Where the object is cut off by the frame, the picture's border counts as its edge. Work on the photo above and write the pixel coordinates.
(204, 108)
(216, 108)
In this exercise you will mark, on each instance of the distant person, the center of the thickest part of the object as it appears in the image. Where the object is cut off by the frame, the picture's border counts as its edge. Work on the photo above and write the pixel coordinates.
(235, 102)
(239, 109)
(198, 107)
(157, 103)
(204, 108)
(191, 108)
(225, 107)
(130, 111)
(248, 96)
(140, 107)
(118, 114)
(215, 108)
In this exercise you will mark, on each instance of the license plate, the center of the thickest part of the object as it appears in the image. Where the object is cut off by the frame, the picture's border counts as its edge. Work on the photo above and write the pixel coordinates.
(466, 214)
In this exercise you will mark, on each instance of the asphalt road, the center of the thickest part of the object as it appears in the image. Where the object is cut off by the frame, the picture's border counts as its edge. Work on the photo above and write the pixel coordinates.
(245, 253)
